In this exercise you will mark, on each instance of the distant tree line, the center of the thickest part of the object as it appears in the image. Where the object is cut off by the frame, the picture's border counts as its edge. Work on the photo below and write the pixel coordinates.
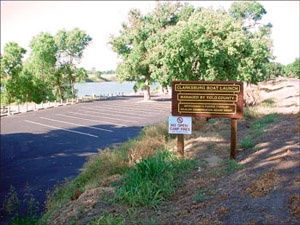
(94, 71)
(50, 71)
(98, 75)
(180, 42)
(105, 72)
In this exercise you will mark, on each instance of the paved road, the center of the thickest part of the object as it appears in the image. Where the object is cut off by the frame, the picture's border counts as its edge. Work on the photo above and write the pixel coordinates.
(42, 148)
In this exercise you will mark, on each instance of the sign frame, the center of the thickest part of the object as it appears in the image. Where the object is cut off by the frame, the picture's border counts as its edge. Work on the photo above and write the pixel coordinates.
(207, 99)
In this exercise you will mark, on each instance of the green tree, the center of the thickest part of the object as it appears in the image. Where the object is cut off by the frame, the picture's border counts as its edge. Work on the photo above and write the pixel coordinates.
(164, 18)
(208, 46)
(136, 41)
(71, 45)
(59, 83)
(41, 65)
(293, 69)
(249, 14)
(51, 69)
(11, 67)
(275, 69)
(213, 45)
(130, 45)
(43, 56)
(11, 60)
(30, 89)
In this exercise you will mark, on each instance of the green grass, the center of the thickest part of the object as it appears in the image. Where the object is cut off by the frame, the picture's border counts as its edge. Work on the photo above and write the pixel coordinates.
(108, 162)
(199, 196)
(149, 174)
(108, 219)
(270, 118)
(231, 165)
(270, 102)
(153, 179)
(257, 130)
(250, 113)
(247, 142)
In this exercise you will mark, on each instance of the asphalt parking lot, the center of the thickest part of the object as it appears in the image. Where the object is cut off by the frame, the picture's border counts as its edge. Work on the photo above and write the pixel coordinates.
(42, 148)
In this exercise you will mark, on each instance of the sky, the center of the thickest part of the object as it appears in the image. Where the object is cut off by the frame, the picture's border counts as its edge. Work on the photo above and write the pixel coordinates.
(22, 20)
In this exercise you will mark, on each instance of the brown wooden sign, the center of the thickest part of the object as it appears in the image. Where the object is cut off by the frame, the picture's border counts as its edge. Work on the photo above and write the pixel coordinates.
(207, 99)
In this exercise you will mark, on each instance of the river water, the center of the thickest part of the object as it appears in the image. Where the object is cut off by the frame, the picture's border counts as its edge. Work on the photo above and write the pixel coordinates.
(105, 88)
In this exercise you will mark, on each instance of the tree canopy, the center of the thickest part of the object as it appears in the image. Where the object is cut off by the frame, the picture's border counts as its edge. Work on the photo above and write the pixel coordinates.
(11, 68)
(136, 41)
(71, 45)
(293, 69)
(11, 60)
(177, 41)
(250, 12)
(50, 71)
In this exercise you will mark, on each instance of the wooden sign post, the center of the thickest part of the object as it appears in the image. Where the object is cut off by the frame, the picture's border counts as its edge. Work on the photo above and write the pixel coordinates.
(233, 138)
(180, 125)
(208, 99)
(180, 145)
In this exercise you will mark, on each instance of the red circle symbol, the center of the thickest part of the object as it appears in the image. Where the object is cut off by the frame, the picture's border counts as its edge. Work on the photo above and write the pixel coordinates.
(179, 119)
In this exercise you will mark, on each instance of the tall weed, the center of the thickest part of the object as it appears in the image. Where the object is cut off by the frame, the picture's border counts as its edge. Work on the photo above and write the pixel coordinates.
(22, 211)
(153, 179)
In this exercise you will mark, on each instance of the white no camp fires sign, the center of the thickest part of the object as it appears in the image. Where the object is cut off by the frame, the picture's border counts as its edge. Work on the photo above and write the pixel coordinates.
(180, 125)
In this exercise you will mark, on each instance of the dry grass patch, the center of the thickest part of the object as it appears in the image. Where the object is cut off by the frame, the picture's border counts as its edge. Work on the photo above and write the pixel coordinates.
(263, 185)
(154, 138)
(294, 204)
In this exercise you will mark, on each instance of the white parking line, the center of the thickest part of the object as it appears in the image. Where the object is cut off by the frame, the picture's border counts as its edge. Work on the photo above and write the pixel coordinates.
(136, 109)
(122, 113)
(72, 131)
(95, 111)
(111, 118)
(99, 121)
(80, 125)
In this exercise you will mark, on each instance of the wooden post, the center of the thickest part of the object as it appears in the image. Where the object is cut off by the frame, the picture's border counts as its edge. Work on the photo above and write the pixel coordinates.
(180, 144)
(233, 138)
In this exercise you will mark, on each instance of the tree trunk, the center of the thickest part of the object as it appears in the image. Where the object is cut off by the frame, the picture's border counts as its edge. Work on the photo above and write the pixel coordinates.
(147, 96)
(164, 89)
(72, 89)
(60, 93)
